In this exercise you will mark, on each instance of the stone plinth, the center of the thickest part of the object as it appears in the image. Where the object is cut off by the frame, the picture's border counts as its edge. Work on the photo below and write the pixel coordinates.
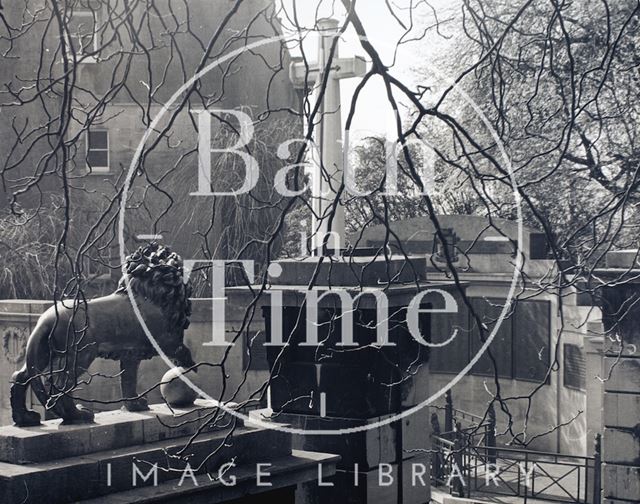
(327, 387)
(148, 456)
(112, 430)
(621, 403)
(398, 449)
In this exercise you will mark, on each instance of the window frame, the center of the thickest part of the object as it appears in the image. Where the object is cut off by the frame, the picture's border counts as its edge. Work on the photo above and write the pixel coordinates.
(583, 379)
(82, 56)
(97, 170)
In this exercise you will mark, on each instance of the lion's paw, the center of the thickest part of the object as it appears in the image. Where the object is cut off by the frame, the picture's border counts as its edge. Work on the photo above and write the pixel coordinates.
(80, 416)
(139, 404)
(26, 418)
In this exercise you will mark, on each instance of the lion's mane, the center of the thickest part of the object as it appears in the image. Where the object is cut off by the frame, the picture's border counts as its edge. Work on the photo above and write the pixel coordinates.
(155, 273)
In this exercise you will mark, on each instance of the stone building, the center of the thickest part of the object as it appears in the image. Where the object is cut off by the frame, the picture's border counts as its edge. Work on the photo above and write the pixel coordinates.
(540, 327)
(620, 290)
(123, 68)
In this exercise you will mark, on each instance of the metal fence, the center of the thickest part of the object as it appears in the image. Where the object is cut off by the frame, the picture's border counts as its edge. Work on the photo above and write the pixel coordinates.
(468, 461)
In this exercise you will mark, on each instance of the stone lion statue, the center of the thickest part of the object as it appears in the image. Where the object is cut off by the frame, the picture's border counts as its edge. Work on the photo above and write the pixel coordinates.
(69, 336)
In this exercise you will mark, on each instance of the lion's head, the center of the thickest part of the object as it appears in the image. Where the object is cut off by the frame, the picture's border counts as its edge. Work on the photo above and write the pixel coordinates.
(156, 273)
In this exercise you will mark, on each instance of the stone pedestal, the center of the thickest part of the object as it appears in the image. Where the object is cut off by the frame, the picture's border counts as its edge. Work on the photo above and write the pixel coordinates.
(152, 456)
(621, 400)
(332, 387)
(387, 464)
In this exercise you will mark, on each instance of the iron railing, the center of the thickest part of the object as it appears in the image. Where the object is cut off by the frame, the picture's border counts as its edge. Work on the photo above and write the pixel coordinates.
(468, 468)
(467, 459)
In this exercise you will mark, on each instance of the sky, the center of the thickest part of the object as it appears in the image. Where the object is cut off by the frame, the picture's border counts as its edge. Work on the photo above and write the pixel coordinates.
(374, 114)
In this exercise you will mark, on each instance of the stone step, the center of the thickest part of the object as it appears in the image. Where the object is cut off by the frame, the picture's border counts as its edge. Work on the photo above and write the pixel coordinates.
(123, 469)
(111, 430)
(241, 483)
(407, 483)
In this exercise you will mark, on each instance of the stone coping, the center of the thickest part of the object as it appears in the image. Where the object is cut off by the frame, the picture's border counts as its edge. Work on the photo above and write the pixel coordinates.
(351, 270)
(111, 430)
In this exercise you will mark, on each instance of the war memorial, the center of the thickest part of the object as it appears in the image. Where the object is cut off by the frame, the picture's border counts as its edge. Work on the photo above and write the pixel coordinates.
(319, 252)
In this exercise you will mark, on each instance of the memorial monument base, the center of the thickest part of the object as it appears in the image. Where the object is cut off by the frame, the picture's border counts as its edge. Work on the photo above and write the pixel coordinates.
(389, 463)
(195, 454)
(356, 392)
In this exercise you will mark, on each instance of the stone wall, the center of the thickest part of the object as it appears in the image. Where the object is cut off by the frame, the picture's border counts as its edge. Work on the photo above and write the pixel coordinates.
(621, 400)
(554, 403)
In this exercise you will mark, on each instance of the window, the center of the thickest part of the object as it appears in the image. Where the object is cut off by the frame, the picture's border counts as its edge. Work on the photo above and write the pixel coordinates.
(98, 151)
(82, 34)
(574, 367)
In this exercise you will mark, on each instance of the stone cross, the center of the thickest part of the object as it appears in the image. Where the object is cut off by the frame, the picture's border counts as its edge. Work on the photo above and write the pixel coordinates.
(327, 172)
